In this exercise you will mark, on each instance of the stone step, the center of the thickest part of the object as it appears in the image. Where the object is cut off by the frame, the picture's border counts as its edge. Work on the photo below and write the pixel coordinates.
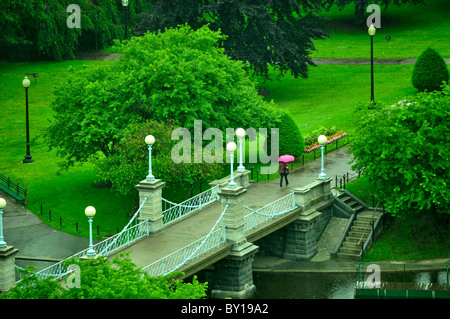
(356, 233)
(351, 245)
(359, 208)
(368, 214)
(361, 228)
(340, 194)
(346, 256)
(359, 231)
(347, 250)
(352, 203)
(354, 239)
(361, 223)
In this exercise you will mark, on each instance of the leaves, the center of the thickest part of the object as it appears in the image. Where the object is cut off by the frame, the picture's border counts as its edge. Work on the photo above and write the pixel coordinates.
(404, 149)
(162, 81)
(104, 279)
(261, 33)
(37, 29)
(430, 70)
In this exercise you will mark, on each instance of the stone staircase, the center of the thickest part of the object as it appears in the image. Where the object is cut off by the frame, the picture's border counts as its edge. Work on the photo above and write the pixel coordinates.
(359, 230)
(350, 202)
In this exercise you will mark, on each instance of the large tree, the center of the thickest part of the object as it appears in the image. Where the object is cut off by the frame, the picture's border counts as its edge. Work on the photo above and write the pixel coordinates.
(260, 33)
(180, 76)
(37, 29)
(128, 163)
(404, 150)
(361, 6)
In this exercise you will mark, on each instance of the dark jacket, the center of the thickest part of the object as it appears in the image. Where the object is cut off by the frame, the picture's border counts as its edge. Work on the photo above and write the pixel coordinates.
(283, 167)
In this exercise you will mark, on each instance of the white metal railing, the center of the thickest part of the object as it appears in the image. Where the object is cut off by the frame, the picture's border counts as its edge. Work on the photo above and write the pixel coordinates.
(263, 215)
(200, 247)
(216, 237)
(133, 231)
(178, 211)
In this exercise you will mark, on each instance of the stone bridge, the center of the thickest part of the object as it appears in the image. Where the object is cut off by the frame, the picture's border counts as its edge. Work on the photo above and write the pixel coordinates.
(246, 222)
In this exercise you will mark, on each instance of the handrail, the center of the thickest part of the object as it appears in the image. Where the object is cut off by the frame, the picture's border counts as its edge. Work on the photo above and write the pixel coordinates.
(175, 255)
(13, 187)
(205, 238)
(374, 210)
(116, 237)
(278, 207)
(56, 269)
(177, 211)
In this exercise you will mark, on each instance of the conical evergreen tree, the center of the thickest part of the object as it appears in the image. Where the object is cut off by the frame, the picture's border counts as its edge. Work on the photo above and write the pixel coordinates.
(291, 140)
(430, 70)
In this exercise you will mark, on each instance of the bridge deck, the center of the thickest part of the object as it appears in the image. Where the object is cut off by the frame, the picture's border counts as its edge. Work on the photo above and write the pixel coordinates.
(190, 229)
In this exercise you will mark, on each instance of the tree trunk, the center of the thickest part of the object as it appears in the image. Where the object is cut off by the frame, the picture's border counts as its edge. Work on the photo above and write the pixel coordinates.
(360, 8)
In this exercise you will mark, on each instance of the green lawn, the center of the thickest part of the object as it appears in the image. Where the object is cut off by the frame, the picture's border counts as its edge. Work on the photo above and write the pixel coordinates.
(412, 30)
(326, 98)
(331, 92)
(69, 193)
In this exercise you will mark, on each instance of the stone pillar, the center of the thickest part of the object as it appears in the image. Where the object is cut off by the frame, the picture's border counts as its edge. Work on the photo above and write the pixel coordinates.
(302, 236)
(152, 209)
(7, 270)
(233, 219)
(326, 188)
(233, 277)
(313, 193)
(302, 198)
(242, 178)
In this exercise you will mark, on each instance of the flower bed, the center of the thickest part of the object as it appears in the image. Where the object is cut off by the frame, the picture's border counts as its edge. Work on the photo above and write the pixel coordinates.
(330, 139)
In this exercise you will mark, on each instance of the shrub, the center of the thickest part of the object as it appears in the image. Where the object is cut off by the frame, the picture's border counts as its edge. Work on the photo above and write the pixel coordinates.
(430, 70)
(290, 139)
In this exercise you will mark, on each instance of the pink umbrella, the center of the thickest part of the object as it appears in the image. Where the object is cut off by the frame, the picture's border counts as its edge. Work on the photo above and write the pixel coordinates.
(286, 158)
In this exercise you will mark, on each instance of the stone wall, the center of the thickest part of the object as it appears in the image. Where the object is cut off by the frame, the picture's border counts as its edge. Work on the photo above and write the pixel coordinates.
(298, 240)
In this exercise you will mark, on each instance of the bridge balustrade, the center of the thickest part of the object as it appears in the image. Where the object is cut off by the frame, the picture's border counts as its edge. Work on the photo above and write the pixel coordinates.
(281, 206)
(178, 211)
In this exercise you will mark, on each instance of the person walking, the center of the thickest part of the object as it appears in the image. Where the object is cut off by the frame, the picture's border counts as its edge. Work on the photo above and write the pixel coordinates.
(284, 171)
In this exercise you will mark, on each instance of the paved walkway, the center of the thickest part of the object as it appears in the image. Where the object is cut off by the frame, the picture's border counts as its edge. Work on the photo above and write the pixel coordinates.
(107, 56)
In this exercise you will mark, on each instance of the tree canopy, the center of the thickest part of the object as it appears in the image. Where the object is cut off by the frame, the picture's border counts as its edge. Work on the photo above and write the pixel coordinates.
(177, 76)
(260, 33)
(430, 71)
(37, 29)
(404, 149)
(361, 6)
(104, 279)
(128, 162)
